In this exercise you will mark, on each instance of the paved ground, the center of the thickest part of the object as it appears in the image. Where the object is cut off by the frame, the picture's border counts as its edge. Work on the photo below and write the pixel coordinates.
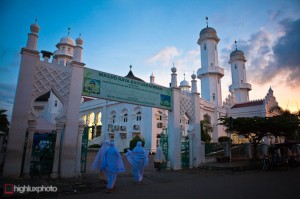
(213, 180)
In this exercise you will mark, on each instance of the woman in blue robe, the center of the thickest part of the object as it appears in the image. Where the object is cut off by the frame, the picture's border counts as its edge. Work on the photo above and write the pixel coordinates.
(111, 165)
(138, 158)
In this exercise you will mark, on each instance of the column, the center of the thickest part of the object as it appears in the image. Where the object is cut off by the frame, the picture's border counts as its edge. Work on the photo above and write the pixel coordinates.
(55, 169)
(174, 134)
(31, 130)
(191, 140)
(78, 149)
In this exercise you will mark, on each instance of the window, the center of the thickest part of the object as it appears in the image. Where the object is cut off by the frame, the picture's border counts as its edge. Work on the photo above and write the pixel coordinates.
(63, 48)
(215, 46)
(55, 103)
(69, 49)
(125, 119)
(235, 66)
(204, 46)
(113, 119)
(139, 116)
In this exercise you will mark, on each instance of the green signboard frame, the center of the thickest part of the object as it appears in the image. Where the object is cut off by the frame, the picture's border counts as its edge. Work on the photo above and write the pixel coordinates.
(112, 87)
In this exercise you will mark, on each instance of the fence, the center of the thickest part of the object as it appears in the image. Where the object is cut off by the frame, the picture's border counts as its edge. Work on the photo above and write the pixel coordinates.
(237, 150)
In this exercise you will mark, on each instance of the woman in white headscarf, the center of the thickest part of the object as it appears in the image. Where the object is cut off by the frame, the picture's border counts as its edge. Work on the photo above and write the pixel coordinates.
(159, 158)
(138, 158)
(111, 165)
(98, 160)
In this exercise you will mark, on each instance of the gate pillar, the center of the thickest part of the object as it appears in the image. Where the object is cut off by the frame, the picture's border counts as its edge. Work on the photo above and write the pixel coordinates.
(31, 130)
(79, 145)
(174, 135)
(59, 129)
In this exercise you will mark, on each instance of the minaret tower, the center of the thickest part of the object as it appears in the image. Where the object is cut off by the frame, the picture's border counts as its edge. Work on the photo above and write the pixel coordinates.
(65, 50)
(210, 73)
(238, 74)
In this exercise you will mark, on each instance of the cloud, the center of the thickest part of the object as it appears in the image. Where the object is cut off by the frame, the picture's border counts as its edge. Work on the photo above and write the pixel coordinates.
(286, 53)
(271, 55)
(165, 57)
(7, 93)
(185, 63)
(274, 15)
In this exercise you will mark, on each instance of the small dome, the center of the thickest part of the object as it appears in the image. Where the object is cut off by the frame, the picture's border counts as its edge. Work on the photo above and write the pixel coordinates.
(173, 69)
(208, 30)
(193, 76)
(184, 83)
(237, 52)
(67, 40)
(79, 41)
(34, 28)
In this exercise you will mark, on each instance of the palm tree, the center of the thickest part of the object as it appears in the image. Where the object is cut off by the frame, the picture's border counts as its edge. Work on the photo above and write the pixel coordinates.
(4, 123)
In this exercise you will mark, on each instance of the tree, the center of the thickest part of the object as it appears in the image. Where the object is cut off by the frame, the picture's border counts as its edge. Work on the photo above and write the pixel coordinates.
(4, 123)
(255, 128)
(205, 127)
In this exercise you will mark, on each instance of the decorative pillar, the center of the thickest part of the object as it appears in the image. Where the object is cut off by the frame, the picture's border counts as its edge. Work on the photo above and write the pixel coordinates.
(31, 130)
(55, 169)
(78, 150)
(197, 158)
(174, 134)
(191, 140)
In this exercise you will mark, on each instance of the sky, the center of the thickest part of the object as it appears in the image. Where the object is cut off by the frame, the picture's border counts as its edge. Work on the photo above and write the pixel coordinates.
(151, 35)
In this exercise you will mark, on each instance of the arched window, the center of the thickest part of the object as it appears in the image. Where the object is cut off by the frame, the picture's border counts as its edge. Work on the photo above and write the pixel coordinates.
(55, 103)
(138, 116)
(113, 119)
(125, 118)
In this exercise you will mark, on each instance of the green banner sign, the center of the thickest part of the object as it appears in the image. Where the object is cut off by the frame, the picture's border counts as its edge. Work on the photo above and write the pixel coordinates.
(121, 89)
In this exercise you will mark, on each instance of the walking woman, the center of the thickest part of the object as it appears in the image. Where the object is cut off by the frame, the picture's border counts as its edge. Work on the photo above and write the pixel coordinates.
(138, 158)
(96, 165)
(112, 164)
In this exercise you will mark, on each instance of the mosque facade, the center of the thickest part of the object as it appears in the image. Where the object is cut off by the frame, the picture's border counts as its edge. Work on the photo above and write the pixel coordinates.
(48, 99)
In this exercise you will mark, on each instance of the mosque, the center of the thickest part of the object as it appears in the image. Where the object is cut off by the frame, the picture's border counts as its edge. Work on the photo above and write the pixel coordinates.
(121, 122)
(48, 100)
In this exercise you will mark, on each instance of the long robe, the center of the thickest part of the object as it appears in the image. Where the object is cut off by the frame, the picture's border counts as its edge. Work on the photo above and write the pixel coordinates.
(138, 158)
(111, 165)
(98, 159)
(159, 155)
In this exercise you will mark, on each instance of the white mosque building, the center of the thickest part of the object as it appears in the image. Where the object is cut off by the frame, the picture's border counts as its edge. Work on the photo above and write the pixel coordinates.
(48, 100)
(121, 122)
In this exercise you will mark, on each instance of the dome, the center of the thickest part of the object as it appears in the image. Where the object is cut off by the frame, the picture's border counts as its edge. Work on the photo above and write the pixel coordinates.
(208, 30)
(193, 76)
(173, 69)
(184, 83)
(79, 41)
(237, 52)
(67, 40)
(34, 28)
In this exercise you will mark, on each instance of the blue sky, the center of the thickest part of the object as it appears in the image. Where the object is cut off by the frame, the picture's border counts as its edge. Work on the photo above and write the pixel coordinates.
(151, 35)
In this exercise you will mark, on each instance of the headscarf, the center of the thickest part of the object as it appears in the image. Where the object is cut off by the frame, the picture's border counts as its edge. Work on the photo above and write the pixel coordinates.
(112, 160)
(159, 155)
(98, 159)
(138, 153)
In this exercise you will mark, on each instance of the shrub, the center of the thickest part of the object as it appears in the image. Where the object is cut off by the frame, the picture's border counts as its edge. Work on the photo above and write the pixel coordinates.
(94, 146)
(133, 142)
(224, 139)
